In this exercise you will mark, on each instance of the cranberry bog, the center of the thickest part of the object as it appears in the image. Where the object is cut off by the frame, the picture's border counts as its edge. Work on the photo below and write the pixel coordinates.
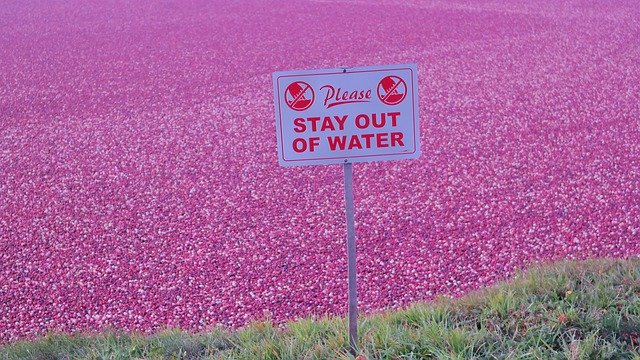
(139, 185)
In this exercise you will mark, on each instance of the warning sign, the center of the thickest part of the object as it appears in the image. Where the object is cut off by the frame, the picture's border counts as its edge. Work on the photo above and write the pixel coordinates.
(351, 115)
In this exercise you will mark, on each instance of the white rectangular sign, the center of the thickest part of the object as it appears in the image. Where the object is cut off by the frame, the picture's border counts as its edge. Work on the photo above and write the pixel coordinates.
(335, 116)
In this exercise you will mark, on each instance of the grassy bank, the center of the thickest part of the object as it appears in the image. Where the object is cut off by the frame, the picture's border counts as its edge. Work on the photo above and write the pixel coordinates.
(570, 310)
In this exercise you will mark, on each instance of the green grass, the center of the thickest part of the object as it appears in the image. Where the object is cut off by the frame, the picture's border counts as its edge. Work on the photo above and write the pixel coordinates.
(569, 310)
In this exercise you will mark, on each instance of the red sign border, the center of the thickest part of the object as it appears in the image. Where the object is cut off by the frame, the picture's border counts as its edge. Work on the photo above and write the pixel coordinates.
(413, 109)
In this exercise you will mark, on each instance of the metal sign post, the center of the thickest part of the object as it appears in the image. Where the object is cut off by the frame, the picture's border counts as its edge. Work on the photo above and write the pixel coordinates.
(351, 257)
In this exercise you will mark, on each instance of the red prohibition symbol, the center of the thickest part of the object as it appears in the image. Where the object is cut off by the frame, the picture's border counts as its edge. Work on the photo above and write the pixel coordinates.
(392, 90)
(299, 95)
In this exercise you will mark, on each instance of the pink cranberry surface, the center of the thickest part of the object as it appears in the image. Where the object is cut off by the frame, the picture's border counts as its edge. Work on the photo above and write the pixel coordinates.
(139, 184)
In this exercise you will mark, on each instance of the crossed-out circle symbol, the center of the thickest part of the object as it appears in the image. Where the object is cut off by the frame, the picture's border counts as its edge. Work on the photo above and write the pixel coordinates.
(299, 95)
(392, 90)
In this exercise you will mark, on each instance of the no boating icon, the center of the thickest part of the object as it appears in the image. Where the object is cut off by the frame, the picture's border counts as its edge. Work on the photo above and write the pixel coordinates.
(335, 116)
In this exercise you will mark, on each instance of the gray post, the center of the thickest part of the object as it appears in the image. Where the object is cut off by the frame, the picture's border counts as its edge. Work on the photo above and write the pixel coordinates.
(351, 256)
